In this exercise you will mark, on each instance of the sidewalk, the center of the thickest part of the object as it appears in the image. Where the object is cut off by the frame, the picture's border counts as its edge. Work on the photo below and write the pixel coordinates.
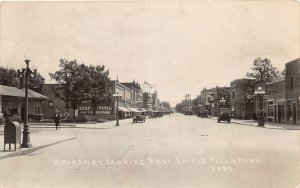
(40, 142)
(268, 125)
(43, 139)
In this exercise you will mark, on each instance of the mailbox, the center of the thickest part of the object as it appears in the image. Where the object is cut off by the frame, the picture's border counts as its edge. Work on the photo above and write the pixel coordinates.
(12, 134)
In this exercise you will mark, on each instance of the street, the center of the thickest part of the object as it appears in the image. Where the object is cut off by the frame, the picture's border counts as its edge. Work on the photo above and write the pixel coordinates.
(172, 151)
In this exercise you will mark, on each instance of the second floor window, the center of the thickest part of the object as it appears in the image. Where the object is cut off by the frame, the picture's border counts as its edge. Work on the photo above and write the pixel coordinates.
(292, 82)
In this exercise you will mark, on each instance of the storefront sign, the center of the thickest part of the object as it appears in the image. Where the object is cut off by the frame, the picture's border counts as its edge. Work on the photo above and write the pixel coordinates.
(87, 109)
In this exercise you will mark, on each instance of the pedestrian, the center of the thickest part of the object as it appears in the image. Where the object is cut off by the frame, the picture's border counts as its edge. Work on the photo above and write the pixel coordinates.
(254, 116)
(57, 119)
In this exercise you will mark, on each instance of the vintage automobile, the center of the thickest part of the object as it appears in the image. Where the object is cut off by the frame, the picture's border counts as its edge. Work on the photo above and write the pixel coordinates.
(203, 114)
(139, 117)
(188, 113)
(224, 115)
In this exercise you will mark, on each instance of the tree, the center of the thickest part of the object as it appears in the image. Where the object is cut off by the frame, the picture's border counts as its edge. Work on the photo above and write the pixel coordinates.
(97, 86)
(9, 77)
(283, 73)
(81, 82)
(179, 107)
(263, 70)
(70, 77)
(37, 83)
(166, 105)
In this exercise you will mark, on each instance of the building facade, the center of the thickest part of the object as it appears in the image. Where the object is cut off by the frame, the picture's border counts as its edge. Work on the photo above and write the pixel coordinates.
(242, 106)
(136, 94)
(275, 101)
(12, 103)
(207, 99)
(292, 92)
(56, 101)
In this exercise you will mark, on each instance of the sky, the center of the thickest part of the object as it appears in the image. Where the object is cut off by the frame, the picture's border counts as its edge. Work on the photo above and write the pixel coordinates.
(178, 46)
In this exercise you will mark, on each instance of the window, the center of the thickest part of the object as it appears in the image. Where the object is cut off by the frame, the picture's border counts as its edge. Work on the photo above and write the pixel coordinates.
(291, 83)
(50, 104)
(37, 108)
(298, 107)
(233, 94)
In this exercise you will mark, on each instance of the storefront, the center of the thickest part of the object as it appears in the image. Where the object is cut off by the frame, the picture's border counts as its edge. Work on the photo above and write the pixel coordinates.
(12, 103)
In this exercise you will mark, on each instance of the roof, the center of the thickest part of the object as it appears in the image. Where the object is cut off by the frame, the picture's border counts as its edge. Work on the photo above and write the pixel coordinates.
(15, 92)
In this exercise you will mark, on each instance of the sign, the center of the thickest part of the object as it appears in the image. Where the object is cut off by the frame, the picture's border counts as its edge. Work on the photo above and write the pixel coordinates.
(87, 109)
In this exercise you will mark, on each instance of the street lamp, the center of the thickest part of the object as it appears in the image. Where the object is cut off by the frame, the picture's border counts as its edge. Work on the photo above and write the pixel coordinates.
(222, 100)
(117, 96)
(25, 73)
(260, 93)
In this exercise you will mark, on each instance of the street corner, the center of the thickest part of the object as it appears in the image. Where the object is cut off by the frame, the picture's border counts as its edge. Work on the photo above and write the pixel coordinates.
(37, 146)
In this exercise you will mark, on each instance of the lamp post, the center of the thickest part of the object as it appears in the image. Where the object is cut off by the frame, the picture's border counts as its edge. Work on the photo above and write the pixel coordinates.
(260, 93)
(117, 96)
(222, 101)
(25, 73)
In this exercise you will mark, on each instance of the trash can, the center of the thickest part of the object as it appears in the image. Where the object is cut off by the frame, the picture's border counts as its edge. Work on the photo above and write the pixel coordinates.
(12, 134)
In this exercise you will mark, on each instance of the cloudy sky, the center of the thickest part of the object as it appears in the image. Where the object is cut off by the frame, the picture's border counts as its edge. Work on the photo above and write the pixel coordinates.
(179, 46)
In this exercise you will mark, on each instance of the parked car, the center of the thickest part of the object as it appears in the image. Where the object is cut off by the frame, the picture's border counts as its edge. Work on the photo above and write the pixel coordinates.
(203, 114)
(139, 117)
(224, 115)
(188, 113)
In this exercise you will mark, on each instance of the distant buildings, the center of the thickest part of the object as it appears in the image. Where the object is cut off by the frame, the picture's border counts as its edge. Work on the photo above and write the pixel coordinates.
(281, 102)
(132, 100)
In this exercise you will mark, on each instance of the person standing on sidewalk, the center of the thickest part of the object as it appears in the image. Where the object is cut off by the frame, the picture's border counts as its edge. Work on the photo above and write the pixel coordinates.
(57, 119)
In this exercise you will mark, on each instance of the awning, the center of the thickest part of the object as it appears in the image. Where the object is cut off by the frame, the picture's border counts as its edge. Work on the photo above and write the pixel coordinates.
(123, 109)
(133, 109)
(143, 110)
(15, 92)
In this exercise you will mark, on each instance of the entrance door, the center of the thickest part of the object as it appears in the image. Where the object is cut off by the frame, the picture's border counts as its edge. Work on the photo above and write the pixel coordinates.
(275, 114)
(280, 113)
(294, 113)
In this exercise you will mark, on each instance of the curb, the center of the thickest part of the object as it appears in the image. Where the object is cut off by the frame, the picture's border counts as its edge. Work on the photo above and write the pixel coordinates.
(30, 150)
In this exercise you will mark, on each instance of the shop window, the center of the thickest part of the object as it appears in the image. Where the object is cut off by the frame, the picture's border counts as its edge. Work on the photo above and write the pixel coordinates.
(270, 109)
(50, 104)
(291, 83)
(233, 94)
(289, 110)
(298, 108)
(37, 108)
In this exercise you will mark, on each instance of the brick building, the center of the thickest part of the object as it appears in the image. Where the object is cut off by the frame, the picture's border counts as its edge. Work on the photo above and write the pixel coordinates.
(274, 103)
(12, 102)
(207, 98)
(242, 107)
(55, 101)
(136, 94)
(292, 94)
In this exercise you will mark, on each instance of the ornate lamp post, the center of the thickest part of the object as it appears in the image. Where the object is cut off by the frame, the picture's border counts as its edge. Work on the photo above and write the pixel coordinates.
(222, 101)
(117, 97)
(25, 73)
(260, 93)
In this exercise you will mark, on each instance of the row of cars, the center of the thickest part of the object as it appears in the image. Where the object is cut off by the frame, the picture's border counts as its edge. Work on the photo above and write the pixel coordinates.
(224, 114)
(141, 116)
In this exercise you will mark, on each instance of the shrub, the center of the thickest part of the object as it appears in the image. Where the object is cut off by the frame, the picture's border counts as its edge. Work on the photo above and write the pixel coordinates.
(13, 118)
(2, 120)
(35, 117)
